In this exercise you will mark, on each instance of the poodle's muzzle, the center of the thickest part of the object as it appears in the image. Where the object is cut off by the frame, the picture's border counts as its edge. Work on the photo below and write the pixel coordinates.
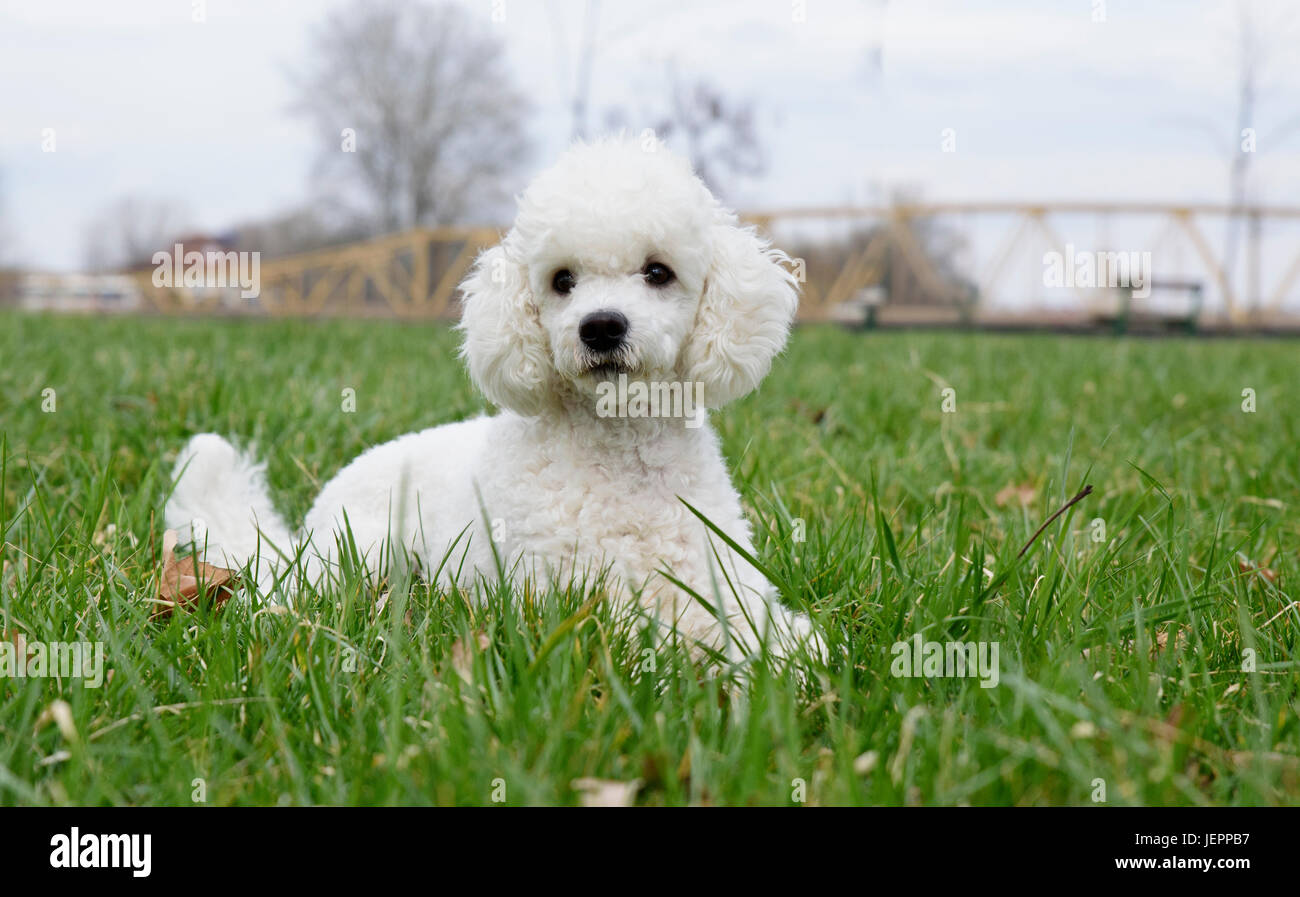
(603, 331)
(604, 337)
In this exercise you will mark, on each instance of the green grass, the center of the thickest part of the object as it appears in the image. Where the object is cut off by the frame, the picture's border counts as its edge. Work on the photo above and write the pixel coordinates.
(1121, 659)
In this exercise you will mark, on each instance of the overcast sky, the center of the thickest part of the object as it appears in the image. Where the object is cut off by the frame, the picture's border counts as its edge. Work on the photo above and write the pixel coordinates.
(1046, 102)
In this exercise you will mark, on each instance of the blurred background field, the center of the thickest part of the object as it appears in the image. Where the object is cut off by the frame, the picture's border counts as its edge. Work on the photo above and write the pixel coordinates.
(928, 164)
(1122, 657)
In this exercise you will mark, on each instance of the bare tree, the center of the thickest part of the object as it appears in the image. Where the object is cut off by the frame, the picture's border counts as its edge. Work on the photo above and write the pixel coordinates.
(586, 57)
(129, 230)
(1259, 32)
(316, 225)
(414, 106)
(1250, 45)
(5, 237)
(717, 132)
(875, 50)
(10, 279)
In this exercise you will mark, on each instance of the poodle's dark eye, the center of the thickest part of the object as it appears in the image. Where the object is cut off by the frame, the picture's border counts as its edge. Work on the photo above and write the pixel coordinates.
(563, 281)
(657, 274)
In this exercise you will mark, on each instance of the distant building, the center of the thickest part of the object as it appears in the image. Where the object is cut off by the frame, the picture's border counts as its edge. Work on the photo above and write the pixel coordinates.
(9, 283)
(79, 293)
(219, 265)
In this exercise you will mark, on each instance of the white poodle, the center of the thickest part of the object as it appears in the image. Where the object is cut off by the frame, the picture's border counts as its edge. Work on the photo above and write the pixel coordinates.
(623, 293)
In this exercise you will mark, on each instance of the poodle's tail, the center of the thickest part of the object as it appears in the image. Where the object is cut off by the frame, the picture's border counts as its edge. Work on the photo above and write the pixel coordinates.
(221, 505)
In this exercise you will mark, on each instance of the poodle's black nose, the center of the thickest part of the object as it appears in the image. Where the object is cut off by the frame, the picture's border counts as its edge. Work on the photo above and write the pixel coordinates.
(603, 331)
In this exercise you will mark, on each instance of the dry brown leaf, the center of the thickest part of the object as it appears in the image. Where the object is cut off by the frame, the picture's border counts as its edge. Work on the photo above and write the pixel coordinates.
(462, 655)
(19, 641)
(1246, 565)
(606, 792)
(1158, 644)
(1181, 635)
(1175, 716)
(1024, 493)
(187, 582)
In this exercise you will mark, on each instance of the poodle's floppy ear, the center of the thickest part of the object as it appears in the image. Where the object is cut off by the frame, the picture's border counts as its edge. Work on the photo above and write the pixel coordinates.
(505, 347)
(744, 316)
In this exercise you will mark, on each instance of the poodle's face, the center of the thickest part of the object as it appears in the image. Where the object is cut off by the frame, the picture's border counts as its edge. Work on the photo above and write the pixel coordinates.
(621, 262)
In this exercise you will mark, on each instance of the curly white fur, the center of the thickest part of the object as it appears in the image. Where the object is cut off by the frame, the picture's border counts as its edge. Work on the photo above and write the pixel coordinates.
(553, 486)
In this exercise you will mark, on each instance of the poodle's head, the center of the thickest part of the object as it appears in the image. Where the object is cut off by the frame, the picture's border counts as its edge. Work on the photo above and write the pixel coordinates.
(621, 261)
